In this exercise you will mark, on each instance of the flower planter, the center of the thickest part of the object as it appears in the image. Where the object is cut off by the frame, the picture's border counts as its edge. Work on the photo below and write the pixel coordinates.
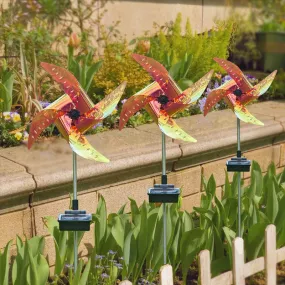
(272, 48)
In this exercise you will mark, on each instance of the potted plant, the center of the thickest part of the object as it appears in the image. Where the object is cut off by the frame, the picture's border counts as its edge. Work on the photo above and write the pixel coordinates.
(271, 35)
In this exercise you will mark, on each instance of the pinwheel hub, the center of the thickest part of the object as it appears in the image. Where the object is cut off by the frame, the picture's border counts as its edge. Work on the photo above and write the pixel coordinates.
(163, 99)
(238, 92)
(74, 114)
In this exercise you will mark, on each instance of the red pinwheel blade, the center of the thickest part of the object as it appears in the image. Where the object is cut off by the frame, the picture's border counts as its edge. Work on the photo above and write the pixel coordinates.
(174, 108)
(42, 120)
(235, 73)
(106, 106)
(158, 72)
(82, 147)
(67, 80)
(168, 126)
(133, 105)
(213, 98)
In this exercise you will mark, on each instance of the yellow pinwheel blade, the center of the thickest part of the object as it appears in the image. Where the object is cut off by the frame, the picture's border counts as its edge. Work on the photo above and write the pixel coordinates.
(195, 91)
(82, 147)
(243, 114)
(171, 129)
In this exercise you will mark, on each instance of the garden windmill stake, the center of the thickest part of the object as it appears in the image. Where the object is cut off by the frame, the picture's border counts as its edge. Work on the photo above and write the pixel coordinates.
(164, 181)
(73, 114)
(162, 99)
(75, 206)
(238, 92)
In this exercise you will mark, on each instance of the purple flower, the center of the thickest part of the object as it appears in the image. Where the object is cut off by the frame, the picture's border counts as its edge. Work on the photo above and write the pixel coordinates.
(216, 85)
(104, 275)
(44, 104)
(124, 101)
(111, 252)
(97, 126)
(202, 103)
(208, 90)
(226, 78)
(99, 256)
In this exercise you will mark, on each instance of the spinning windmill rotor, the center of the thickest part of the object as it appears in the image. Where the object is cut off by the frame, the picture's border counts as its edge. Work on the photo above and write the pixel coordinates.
(163, 98)
(238, 92)
(74, 113)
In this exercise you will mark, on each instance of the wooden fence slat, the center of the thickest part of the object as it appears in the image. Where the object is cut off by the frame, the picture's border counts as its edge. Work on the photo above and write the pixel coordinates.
(205, 267)
(223, 279)
(125, 282)
(166, 275)
(238, 261)
(280, 254)
(270, 255)
(254, 266)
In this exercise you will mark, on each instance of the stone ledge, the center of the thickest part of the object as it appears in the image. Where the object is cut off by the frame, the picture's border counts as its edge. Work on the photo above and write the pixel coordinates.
(46, 170)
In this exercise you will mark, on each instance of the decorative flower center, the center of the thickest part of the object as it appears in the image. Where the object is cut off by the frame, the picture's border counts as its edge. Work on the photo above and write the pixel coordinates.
(238, 92)
(73, 114)
(163, 99)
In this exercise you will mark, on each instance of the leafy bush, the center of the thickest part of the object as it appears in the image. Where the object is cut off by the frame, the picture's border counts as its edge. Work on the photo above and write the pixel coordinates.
(171, 46)
(129, 245)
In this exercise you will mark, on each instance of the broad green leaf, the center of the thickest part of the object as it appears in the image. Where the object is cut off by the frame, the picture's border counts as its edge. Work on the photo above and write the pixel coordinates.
(4, 264)
(118, 233)
(254, 240)
(84, 275)
(272, 201)
(191, 243)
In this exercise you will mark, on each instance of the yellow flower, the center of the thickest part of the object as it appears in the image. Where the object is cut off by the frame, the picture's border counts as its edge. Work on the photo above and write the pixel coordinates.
(18, 136)
(115, 112)
(7, 116)
(16, 118)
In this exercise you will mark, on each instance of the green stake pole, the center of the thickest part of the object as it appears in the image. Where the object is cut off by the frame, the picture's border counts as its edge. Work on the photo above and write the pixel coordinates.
(164, 204)
(74, 160)
(239, 179)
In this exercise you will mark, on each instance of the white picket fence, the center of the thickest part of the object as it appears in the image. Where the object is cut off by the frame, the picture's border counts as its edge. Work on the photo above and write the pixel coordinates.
(240, 270)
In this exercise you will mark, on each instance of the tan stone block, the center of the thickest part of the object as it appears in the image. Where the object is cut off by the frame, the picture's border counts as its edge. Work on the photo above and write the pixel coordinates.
(87, 202)
(219, 193)
(279, 170)
(191, 201)
(49, 251)
(15, 223)
(87, 243)
(282, 154)
(264, 157)
(117, 196)
(189, 180)
(217, 168)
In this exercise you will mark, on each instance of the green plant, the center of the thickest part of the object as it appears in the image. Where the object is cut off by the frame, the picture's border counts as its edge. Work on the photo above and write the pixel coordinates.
(270, 15)
(243, 48)
(82, 66)
(6, 87)
(30, 266)
(170, 46)
(4, 264)
(64, 249)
